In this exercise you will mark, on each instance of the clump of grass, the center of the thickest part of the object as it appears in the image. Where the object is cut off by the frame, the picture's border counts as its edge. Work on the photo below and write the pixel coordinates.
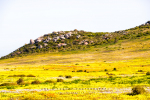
(60, 80)
(30, 75)
(73, 71)
(20, 81)
(35, 82)
(148, 73)
(138, 90)
(68, 76)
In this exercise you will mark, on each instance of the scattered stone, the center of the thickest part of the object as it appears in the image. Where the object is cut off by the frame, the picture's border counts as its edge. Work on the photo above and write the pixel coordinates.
(62, 44)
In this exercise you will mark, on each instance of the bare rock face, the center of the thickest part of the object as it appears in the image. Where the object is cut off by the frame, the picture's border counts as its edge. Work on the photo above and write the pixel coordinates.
(32, 41)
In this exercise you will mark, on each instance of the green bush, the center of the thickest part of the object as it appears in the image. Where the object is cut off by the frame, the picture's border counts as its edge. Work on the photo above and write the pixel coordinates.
(138, 90)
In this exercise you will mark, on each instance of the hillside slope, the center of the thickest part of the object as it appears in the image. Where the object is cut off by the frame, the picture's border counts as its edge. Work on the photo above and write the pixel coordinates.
(77, 40)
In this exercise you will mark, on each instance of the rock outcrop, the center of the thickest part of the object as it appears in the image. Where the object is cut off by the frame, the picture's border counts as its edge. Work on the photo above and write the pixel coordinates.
(32, 41)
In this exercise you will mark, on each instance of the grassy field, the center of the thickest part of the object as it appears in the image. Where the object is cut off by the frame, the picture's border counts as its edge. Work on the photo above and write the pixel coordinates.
(97, 73)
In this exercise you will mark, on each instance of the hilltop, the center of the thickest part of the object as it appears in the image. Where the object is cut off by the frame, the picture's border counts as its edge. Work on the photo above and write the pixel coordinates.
(61, 41)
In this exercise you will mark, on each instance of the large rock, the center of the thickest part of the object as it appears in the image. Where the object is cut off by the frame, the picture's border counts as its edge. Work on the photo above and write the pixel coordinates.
(45, 44)
(78, 36)
(40, 46)
(32, 41)
(148, 22)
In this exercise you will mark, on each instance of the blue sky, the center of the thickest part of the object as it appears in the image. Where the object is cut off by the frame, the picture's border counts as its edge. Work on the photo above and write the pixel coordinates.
(22, 20)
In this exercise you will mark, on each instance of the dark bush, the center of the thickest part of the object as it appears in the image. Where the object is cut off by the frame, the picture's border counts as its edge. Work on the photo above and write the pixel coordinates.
(84, 70)
(17, 76)
(105, 70)
(20, 81)
(148, 73)
(60, 76)
(49, 81)
(76, 64)
(140, 70)
(73, 71)
(79, 70)
(30, 75)
(138, 90)
(60, 80)
(114, 69)
(7, 84)
(68, 76)
(35, 82)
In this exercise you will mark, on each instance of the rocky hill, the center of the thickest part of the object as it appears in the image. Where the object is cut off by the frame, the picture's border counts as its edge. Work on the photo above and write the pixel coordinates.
(59, 41)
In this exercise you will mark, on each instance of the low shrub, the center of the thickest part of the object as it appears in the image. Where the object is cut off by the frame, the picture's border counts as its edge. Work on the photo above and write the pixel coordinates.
(60, 76)
(17, 75)
(49, 81)
(148, 73)
(138, 90)
(20, 81)
(60, 80)
(79, 70)
(30, 75)
(140, 70)
(114, 69)
(68, 76)
(105, 70)
(35, 82)
(73, 71)
(76, 64)
(7, 84)
(10, 87)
